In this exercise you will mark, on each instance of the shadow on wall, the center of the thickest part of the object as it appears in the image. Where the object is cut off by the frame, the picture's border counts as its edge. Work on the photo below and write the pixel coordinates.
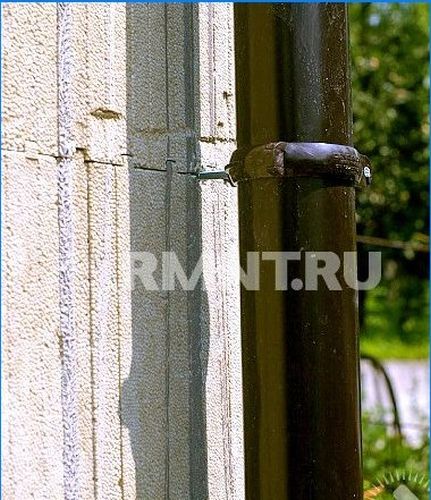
(163, 398)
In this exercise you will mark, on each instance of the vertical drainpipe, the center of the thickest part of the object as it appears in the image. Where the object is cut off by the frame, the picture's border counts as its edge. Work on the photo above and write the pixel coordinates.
(300, 348)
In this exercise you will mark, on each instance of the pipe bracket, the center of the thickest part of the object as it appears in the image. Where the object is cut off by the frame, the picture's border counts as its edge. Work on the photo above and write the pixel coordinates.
(302, 159)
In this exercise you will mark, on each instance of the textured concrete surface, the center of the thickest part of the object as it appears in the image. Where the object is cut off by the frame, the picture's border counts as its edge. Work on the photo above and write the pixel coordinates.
(183, 110)
(31, 357)
(109, 393)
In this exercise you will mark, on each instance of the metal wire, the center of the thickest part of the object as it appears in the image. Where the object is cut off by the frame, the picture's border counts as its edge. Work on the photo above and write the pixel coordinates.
(378, 367)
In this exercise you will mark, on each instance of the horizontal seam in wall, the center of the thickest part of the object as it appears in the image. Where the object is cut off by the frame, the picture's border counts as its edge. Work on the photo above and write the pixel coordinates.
(33, 155)
(30, 154)
(160, 170)
(108, 163)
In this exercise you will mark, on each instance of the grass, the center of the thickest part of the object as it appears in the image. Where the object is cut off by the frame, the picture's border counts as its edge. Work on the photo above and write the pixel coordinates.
(396, 322)
(385, 455)
(383, 348)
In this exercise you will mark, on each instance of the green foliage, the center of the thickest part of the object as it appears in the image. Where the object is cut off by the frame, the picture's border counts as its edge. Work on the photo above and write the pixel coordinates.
(390, 77)
(384, 453)
(396, 319)
(390, 68)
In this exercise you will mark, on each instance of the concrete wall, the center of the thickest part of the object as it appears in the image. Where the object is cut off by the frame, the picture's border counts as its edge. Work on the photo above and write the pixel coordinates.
(110, 393)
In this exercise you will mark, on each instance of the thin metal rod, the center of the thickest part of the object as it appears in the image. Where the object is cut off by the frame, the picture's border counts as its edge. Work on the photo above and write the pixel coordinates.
(414, 246)
(378, 367)
(205, 175)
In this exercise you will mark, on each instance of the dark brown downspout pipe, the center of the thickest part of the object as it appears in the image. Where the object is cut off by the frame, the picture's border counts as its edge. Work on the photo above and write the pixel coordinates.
(300, 348)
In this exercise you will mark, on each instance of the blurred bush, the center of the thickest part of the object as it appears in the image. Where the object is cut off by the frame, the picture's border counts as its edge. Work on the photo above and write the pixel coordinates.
(390, 75)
